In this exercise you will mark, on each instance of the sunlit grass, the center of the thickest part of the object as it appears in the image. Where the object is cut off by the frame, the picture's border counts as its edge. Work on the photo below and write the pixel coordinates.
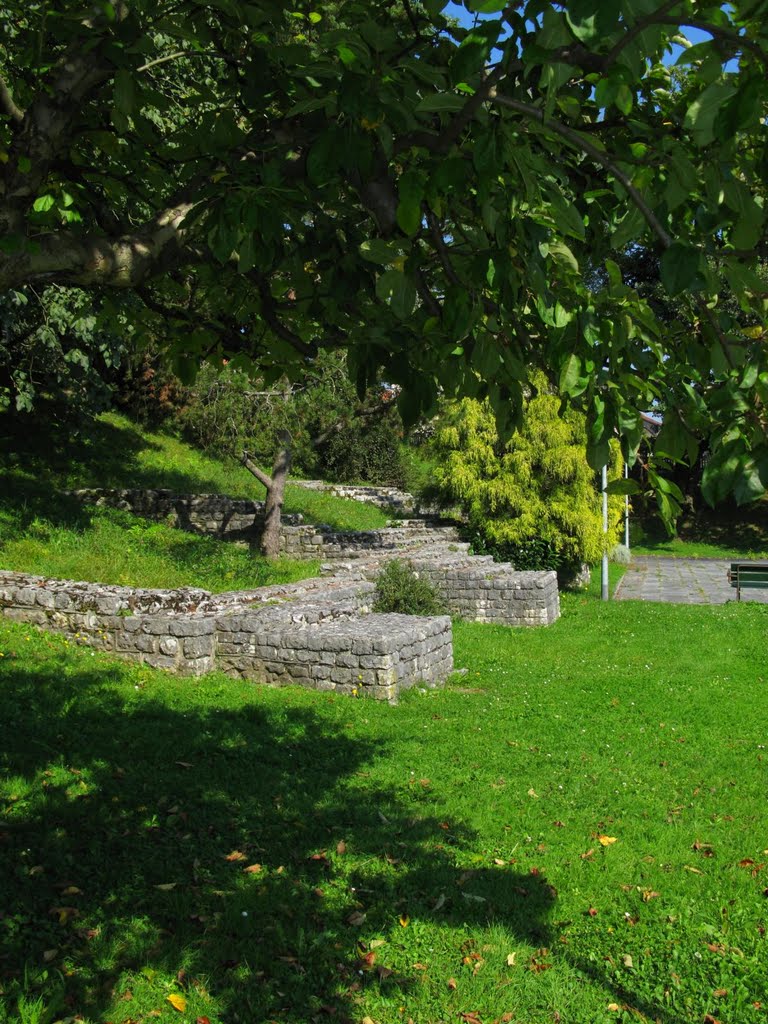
(448, 856)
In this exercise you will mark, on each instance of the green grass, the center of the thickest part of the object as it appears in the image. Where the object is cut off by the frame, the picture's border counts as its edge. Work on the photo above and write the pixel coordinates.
(111, 546)
(439, 858)
(45, 533)
(728, 533)
(117, 453)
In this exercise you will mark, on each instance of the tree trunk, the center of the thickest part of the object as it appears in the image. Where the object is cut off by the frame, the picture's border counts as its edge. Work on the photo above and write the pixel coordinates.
(275, 486)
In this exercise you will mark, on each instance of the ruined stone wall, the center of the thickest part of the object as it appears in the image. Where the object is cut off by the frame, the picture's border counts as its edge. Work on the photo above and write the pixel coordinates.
(318, 633)
(213, 514)
(410, 535)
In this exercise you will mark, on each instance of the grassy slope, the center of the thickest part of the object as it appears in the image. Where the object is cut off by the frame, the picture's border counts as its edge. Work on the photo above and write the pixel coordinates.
(419, 862)
(44, 533)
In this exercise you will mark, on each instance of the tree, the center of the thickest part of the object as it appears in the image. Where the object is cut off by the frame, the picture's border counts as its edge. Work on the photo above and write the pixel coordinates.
(279, 179)
(533, 499)
(231, 413)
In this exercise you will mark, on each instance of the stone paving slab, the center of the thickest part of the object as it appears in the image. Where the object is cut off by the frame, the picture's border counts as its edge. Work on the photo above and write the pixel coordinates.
(681, 581)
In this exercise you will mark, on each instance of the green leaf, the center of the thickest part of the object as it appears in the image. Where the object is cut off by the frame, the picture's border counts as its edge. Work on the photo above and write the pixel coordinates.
(124, 96)
(398, 292)
(589, 20)
(700, 116)
(624, 98)
(679, 268)
(376, 250)
(43, 203)
(411, 192)
(751, 479)
(441, 102)
(572, 382)
(622, 486)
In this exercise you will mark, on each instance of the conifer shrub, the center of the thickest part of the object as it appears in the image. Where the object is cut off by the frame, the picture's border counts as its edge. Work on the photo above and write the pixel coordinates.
(400, 589)
(533, 499)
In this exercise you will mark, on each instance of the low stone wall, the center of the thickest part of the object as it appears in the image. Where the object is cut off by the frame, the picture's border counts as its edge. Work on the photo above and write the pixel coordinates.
(495, 593)
(213, 514)
(316, 633)
(159, 627)
(389, 499)
(409, 535)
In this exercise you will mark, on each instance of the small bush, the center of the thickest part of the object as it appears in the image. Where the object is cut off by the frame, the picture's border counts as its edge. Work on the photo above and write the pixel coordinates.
(400, 589)
(368, 453)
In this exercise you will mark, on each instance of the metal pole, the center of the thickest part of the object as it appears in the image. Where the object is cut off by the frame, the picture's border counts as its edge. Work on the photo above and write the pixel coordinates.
(604, 569)
(626, 510)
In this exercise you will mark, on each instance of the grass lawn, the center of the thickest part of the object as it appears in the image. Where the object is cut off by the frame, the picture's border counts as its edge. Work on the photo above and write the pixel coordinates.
(574, 832)
(118, 453)
(729, 533)
(43, 532)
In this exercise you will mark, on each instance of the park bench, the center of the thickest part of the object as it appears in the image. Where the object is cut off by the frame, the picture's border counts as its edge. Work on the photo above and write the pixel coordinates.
(748, 575)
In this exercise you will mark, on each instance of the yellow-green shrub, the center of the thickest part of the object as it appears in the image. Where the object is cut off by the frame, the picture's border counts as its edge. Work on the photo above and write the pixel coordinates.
(533, 496)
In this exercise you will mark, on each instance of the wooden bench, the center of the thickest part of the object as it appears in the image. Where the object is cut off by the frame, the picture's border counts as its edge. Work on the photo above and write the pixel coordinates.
(748, 575)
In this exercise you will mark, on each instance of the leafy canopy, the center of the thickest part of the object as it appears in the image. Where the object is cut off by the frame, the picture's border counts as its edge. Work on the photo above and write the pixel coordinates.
(272, 177)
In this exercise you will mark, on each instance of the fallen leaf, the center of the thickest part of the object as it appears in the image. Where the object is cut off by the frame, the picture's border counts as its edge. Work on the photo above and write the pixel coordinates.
(235, 855)
(341, 847)
(649, 894)
(202, 1020)
(687, 867)
(705, 849)
(177, 1002)
(511, 957)
(252, 869)
(587, 855)
(375, 943)
(709, 1019)
(607, 840)
(367, 1020)
(613, 1007)
(627, 960)
(72, 890)
(184, 764)
(166, 886)
(419, 967)
(592, 912)
(50, 954)
(720, 992)
(499, 862)
(356, 918)
(404, 920)
(439, 902)
(532, 792)
(452, 984)
(64, 913)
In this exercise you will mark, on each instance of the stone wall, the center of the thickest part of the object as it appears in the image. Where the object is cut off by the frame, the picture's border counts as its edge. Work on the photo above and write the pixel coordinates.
(214, 514)
(407, 536)
(317, 633)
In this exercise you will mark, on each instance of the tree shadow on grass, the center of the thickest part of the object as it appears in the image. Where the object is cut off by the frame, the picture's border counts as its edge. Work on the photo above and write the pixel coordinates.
(35, 464)
(234, 856)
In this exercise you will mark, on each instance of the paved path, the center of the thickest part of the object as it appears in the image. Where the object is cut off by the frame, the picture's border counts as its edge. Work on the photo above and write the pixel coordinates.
(681, 581)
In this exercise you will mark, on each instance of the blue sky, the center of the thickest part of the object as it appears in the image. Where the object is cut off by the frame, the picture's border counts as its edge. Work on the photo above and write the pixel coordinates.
(465, 17)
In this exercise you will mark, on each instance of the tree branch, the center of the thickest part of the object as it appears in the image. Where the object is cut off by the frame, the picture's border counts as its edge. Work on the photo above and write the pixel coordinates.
(123, 262)
(252, 468)
(577, 141)
(7, 105)
(269, 315)
(637, 28)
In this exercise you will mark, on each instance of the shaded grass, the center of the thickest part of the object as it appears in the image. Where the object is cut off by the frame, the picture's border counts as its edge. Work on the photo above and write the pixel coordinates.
(727, 532)
(117, 453)
(435, 859)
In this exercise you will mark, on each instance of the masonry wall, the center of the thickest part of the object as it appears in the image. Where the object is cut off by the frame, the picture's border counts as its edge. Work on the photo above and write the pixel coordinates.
(317, 633)
(213, 514)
